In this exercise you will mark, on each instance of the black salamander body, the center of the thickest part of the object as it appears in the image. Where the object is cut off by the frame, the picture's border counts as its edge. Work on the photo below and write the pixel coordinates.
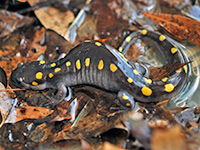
(92, 63)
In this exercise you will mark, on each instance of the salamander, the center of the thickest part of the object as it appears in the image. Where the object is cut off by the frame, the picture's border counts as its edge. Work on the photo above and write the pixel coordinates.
(96, 64)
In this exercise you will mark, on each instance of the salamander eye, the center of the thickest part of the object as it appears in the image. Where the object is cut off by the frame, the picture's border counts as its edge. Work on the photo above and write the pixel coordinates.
(20, 64)
(19, 80)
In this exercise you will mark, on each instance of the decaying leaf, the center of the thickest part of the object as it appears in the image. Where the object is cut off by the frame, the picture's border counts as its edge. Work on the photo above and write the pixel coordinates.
(27, 112)
(89, 126)
(11, 21)
(21, 50)
(22, 0)
(66, 110)
(41, 133)
(165, 114)
(55, 45)
(85, 145)
(179, 26)
(53, 18)
(168, 139)
(107, 19)
(109, 146)
(6, 105)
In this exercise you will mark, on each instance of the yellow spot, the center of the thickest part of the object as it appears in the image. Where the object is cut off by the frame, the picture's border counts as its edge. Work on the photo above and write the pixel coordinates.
(162, 38)
(146, 91)
(169, 87)
(123, 56)
(179, 70)
(128, 39)
(87, 62)
(34, 83)
(165, 79)
(120, 49)
(50, 75)
(42, 62)
(148, 80)
(135, 71)
(23, 78)
(144, 32)
(78, 64)
(53, 64)
(100, 65)
(173, 50)
(57, 69)
(98, 43)
(87, 40)
(39, 75)
(113, 68)
(130, 80)
(128, 104)
(125, 97)
(185, 68)
(68, 63)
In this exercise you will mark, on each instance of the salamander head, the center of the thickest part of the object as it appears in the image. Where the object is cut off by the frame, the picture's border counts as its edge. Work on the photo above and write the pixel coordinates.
(28, 76)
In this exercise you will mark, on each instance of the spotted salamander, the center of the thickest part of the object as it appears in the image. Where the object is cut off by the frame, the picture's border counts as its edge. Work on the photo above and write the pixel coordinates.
(96, 64)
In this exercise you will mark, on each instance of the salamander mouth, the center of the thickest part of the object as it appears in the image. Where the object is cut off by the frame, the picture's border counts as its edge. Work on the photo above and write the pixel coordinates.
(18, 83)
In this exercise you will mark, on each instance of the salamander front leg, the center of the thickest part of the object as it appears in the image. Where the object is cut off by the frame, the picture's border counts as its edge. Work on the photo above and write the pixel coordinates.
(59, 96)
(125, 100)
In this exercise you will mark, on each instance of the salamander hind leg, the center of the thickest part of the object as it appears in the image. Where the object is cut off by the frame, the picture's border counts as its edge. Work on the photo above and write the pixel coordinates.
(125, 100)
(59, 96)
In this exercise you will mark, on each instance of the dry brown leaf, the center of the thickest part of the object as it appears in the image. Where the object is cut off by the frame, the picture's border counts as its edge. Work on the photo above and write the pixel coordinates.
(6, 104)
(22, 52)
(22, 0)
(28, 112)
(89, 126)
(168, 139)
(53, 18)
(109, 25)
(41, 133)
(179, 26)
(11, 21)
(109, 146)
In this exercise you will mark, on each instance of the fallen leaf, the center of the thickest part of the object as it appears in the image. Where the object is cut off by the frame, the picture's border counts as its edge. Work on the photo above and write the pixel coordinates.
(85, 145)
(11, 21)
(27, 112)
(6, 105)
(52, 18)
(165, 114)
(168, 139)
(41, 133)
(55, 45)
(66, 110)
(19, 49)
(22, 0)
(108, 24)
(17, 133)
(181, 27)
(109, 146)
(88, 126)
